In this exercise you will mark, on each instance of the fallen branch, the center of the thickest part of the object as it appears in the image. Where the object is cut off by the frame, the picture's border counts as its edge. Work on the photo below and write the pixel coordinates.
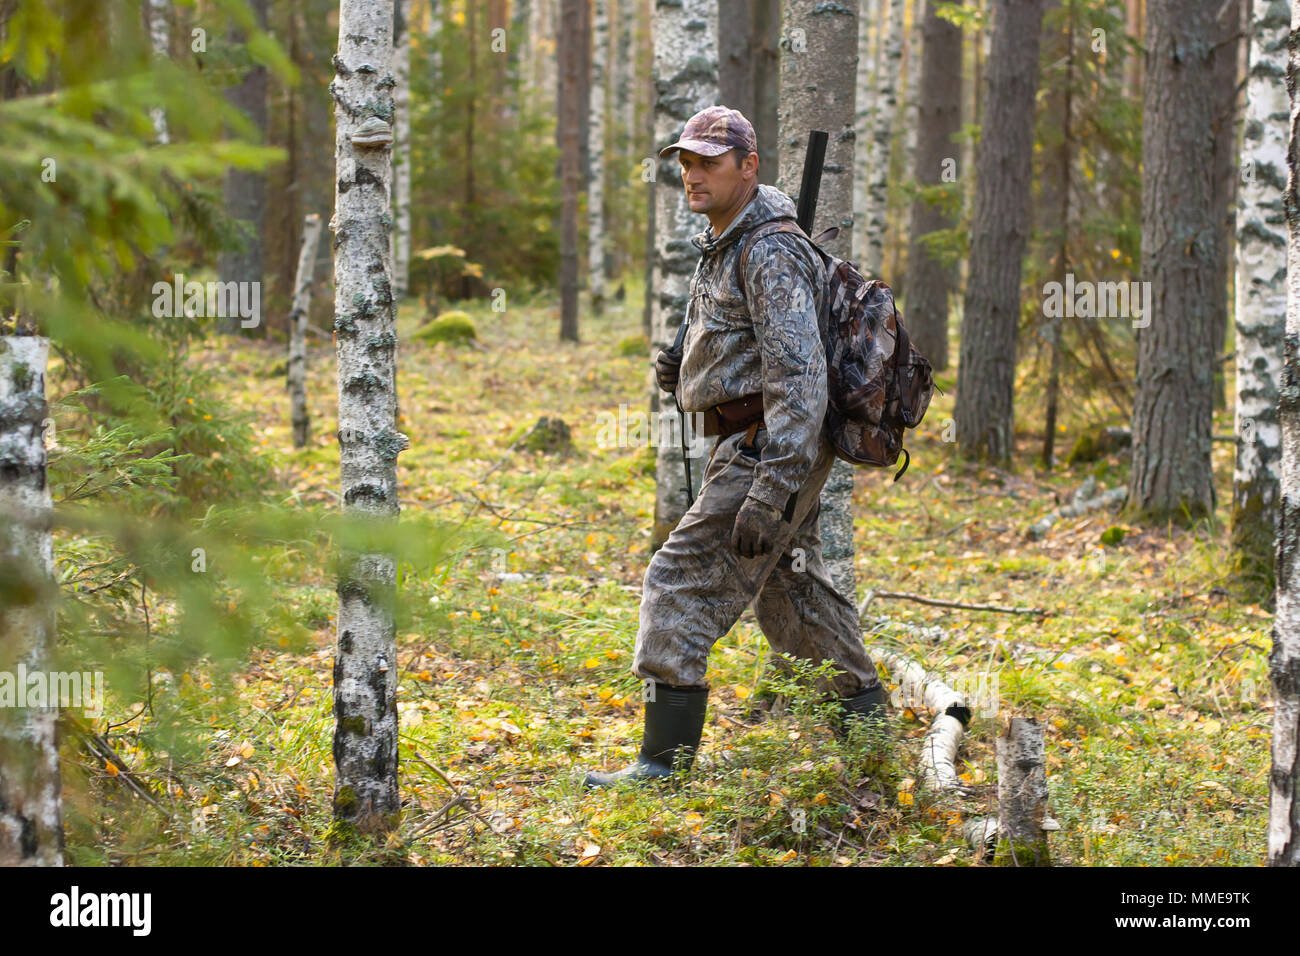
(102, 749)
(1084, 501)
(937, 602)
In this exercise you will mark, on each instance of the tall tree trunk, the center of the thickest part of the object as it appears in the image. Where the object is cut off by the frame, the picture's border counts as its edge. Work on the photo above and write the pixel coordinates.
(986, 371)
(298, 330)
(1261, 297)
(1225, 63)
(1174, 405)
(245, 190)
(930, 282)
(570, 118)
(401, 236)
(584, 91)
(864, 111)
(817, 92)
(1284, 660)
(596, 183)
(749, 72)
(365, 667)
(31, 820)
(878, 145)
(649, 120)
(686, 80)
(1056, 186)
(159, 37)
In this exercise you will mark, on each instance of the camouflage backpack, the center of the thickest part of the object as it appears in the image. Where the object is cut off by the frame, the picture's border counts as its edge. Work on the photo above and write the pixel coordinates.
(877, 382)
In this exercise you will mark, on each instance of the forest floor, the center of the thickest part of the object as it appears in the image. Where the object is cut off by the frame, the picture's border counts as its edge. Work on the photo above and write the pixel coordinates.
(515, 653)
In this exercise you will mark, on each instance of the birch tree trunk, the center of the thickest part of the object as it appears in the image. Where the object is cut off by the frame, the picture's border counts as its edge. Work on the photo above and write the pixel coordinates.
(1284, 661)
(864, 109)
(570, 119)
(1174, 404)
(686, 81)
(159, 38)
(1022, 792)
(1261, 294)
(1225, 64)
(817, 92)
(886, 108)
(298, 331)
(31, 825)
(596, 149)
(365, 668)
(401, 236)
(1000, 227)
(930, 282)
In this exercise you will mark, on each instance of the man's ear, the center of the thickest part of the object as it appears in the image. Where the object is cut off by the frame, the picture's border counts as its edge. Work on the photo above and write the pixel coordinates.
(751, 167)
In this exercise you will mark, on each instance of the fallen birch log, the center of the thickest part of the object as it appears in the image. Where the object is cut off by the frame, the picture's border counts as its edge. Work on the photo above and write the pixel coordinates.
(919, 690)
(1083, 502)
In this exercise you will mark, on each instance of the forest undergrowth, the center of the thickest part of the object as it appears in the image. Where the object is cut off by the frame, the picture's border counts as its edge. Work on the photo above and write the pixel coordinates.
(1147, 667)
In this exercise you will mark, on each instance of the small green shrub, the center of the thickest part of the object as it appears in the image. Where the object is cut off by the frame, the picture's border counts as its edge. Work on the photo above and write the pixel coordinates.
(453, 327)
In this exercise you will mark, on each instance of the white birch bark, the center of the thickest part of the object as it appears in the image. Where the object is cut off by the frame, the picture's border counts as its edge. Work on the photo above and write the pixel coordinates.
(1022, 794)
(1284, 661)
(159, 40)
(365, 669)
(686, 73)
(912, 93)
(1261, 287)
(401, 236)
(596, 152)
(817, 92)
(864, 110)
(31, 827)
(879, 140)
(298, 318)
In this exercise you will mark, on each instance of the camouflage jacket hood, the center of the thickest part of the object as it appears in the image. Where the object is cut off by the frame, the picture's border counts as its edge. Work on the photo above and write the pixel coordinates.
(766, 341)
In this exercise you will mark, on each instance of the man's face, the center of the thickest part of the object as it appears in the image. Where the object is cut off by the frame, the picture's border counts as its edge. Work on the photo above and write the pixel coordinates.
(714, 183)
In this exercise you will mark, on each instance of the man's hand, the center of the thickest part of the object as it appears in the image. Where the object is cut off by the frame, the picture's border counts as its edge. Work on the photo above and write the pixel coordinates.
(755, 529)
(667, 368)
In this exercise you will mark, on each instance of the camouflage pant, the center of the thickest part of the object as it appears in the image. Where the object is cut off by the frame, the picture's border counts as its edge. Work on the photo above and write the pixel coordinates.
(697, 586)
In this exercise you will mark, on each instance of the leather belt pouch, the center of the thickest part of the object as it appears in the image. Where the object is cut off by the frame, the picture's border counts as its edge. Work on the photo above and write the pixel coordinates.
(734, 416)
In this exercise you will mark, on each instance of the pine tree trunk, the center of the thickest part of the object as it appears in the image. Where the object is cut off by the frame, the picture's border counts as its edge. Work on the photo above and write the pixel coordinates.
(1173, 407)
(401, 147)
(930, 282)
(878, 144)
(365, 668)
(1261, 297)
(245, 190)
(298, 331)
(686, 76)
(568, 130)
(1056, 205)
(817, 92)
(31, 824)
(1000, 227)
(596, 182)
(1284, 661)
(1225, 63)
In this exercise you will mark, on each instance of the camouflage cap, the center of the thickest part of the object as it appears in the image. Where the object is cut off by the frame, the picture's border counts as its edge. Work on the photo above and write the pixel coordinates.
(713, 131)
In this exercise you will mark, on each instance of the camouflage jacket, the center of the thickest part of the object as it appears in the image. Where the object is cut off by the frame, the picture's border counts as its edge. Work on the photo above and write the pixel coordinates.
(769, 344)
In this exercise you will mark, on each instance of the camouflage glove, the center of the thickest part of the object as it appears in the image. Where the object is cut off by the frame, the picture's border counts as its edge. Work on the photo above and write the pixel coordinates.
(667, 367)
(755, 530)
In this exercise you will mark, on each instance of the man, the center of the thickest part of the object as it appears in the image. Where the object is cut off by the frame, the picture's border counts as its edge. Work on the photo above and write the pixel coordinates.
(753, 362)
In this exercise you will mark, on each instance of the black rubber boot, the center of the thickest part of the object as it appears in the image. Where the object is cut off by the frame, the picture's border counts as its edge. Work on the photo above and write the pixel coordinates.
(674, 723)
(865, 705)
